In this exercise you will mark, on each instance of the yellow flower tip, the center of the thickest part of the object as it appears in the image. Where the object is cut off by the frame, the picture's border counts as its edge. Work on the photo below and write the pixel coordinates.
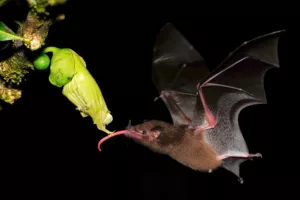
(108, 119)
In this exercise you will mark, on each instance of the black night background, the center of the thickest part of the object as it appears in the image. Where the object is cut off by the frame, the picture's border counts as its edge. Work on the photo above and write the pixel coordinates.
(49, 150)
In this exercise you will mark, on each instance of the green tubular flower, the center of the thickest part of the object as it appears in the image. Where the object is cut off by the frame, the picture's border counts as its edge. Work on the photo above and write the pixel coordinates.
(68, 70)
(63, 64)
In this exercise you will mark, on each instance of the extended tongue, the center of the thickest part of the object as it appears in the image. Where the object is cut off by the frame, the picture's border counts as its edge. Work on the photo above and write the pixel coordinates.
(110, 136)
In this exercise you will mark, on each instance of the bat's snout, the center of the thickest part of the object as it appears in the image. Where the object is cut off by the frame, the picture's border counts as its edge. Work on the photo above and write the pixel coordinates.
(135, 133)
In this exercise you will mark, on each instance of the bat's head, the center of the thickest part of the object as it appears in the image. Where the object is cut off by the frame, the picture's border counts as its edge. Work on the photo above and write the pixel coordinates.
(157, 135)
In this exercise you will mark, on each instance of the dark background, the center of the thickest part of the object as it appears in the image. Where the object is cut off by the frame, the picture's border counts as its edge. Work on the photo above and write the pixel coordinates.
(50, 150)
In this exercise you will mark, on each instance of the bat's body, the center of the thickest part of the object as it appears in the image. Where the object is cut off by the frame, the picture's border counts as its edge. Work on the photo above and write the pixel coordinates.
(179, 142)
(205, 105)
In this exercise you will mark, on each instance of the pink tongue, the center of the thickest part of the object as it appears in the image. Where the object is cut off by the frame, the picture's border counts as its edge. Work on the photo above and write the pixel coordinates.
(110, 136)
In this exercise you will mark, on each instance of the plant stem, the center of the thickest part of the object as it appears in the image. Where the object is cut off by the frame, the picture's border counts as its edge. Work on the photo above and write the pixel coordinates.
(50, 49)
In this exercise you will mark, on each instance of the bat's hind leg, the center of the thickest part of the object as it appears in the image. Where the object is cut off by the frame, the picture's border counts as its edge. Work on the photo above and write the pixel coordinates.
(232, 162)
(249, 156)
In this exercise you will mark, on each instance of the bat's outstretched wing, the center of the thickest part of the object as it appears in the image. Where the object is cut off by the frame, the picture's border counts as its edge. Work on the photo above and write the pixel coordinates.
(177, 69)
(237, 83)
(212, 103)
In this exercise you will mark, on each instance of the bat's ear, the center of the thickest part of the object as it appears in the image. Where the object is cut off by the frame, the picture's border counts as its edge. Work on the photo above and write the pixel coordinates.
(157, 131)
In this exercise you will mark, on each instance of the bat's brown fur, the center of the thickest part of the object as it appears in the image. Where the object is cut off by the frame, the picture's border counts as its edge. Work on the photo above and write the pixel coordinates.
(179, 143)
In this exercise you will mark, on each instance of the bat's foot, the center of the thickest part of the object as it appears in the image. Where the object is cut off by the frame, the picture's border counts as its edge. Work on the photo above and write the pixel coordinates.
(241, 180)
(255, 155)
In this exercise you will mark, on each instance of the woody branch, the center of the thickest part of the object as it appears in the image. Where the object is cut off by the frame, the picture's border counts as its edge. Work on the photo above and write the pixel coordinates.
(35, 30)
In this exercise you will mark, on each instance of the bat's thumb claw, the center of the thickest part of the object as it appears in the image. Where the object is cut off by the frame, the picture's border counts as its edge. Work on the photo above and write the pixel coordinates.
(129, 124)
(157, 98)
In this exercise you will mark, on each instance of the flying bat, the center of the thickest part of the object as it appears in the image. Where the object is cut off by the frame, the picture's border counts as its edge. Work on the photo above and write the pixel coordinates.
(205, 105)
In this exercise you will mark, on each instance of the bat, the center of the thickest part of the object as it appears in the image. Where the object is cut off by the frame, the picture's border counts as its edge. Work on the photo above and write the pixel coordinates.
(204, 105)
(68, 70)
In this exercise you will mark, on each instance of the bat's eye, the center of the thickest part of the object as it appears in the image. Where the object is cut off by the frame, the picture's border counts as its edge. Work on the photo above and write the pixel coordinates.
(144, 132)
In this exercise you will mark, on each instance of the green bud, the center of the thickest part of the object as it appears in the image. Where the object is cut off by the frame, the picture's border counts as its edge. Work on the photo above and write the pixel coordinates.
(42, 62)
